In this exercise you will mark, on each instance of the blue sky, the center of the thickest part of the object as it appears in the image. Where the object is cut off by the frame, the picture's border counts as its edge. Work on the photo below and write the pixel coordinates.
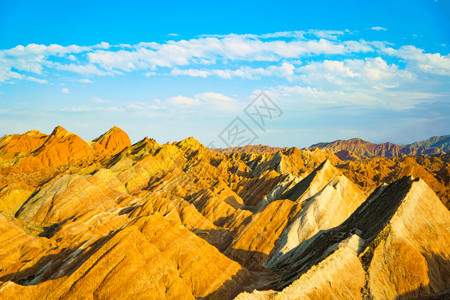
(337, 69)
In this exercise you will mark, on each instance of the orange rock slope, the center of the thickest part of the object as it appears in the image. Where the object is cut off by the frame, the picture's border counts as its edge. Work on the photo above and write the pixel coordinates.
(108, 219)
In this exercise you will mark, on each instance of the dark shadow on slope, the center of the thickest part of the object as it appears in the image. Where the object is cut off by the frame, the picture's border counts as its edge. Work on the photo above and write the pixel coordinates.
(252, 260)
(418, 295)
(24, 277)
(49, 231)
(127, 210)
(369, 219)
(48, 267)
(243, 281)
(219, 238)
(299, 189)
(22, 207)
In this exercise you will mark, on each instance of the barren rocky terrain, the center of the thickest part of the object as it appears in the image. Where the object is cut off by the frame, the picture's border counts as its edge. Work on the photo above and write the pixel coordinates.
(105, 219)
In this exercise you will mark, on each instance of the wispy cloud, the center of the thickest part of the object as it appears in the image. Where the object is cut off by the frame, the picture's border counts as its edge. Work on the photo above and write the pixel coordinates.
(333, 66)
(99, 100)
(104, 59)
(378, 28)
(85, 80)
(208, 100)
(65, 90)
(285, 70)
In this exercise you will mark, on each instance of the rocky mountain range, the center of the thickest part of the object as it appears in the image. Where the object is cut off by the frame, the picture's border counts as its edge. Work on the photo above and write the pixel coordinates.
(110, 219)
(441, 142)
(357, 148)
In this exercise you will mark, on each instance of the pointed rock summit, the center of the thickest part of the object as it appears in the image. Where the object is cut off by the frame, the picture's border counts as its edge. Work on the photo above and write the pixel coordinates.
(189, 143)
(103, 219)
(60, 148)
(313, 183)
(395, 245)
(59, 131)
(327, 198)
(114, 140)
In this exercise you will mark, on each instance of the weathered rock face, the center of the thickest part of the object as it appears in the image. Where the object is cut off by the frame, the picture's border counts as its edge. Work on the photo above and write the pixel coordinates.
(27, 142)
(366, 149)
(327, 198)
(106, 219)
(369, 174)
(150, 256)
(441, 142)
(255, 242)
(388, 248)
(113, 141)
(60, 148)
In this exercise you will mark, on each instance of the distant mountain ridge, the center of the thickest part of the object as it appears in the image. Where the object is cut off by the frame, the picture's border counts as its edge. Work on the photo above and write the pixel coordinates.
(365, 149)
(356, 148)
(251, 148)
(441, 142)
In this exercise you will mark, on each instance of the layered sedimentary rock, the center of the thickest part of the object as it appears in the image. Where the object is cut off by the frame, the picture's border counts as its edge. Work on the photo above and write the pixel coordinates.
(113, 141)
(365, 149)
(60, 148)
(394, 245)
(327, 198)
(107, 219)
(26, 143)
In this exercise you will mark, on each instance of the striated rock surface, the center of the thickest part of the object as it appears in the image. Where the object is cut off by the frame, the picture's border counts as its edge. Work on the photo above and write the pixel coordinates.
(326, 198)
(60, 148)
(388, 248)
(365, 149)
(107, 219)
(27, 142)
(114, 140)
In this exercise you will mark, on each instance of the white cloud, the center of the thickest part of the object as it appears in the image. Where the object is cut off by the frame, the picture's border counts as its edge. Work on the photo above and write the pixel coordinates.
(34, 79)
(209, 50)
(142, 106)
(369, 83)
(85, 80)
(353, 74)
(208, 100)
(217, 101)
(378, 28)
(149, 74)
(327, 34)
(99, 100)
(285, 70)
(433, 63)
(80, 109)
(183, 101)
(65, 90)
(191, 72)
(34, 57)
(80, 69)
(322, 54)
(389, 99)
(7, 75)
